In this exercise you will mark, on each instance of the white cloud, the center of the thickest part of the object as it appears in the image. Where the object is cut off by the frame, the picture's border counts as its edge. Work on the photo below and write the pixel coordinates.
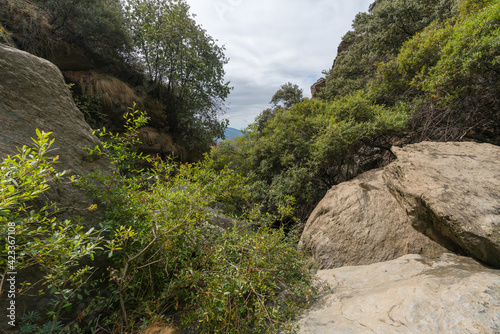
(271, 42)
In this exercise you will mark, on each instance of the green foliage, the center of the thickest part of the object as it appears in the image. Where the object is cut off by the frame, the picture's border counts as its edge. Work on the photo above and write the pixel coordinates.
(377, 37)
(35, 238)
(96, 25)
(122, 147)
(285, 97)
(401, 78)
(302, 151)
(29, 325)
(288, 94)
(185, 66)
(472, 53)
(450, 73)
(187, 247)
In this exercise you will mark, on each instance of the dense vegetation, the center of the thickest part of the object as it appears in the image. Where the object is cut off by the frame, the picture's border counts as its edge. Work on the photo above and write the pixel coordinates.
(183, 245)
(212, 246)
(185, 68)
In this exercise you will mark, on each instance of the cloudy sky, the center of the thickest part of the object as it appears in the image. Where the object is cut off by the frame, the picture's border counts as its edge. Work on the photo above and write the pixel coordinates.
(272, 42)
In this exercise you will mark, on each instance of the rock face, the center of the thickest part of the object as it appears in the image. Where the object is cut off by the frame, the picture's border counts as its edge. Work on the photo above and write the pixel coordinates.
(316, 87)
(155, 142)
(34, 95)
(343, 46)
(451, 192)
(412, 294)
(359, 222)
(68, 58)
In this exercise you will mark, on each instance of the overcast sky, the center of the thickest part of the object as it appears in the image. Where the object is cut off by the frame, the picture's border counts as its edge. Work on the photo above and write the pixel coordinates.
(272, 42)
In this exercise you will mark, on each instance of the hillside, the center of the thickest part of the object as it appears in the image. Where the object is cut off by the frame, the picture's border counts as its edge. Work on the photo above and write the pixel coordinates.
(231, 133)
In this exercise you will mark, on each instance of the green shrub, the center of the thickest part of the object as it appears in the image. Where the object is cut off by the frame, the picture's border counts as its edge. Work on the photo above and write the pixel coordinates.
(449, 74)
(35, 238)
(96, 26)
(188, 248)
(376, 37)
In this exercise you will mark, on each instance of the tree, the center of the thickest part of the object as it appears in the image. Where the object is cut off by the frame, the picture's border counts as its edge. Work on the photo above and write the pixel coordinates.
(184, 65)
(95, 25)
(286, 97)
(288, 94)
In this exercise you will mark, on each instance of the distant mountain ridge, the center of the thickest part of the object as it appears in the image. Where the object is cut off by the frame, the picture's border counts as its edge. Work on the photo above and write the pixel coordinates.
(231, 133)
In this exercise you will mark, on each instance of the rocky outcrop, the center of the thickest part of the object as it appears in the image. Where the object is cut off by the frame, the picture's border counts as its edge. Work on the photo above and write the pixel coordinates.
(154, 142)
(412, 294)
(451, 192)
(343, 47)
(112, 97)
(359, 222)
(317, 86)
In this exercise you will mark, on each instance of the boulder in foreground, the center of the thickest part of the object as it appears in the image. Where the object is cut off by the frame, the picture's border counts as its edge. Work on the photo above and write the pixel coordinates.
(412, 294)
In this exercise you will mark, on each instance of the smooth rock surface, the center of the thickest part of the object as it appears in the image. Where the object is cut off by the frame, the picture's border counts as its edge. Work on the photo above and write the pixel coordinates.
(35, 96)
(359, 222)
(451, 192)
(412, 294)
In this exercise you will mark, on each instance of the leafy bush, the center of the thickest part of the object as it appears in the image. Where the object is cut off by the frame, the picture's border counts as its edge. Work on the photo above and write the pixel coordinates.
(35, 238)
(450, 73)
(377, 37)
(121, 148)
(187, 248)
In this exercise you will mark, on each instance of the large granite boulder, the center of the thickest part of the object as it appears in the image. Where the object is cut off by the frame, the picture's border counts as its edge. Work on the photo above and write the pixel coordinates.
(451, 192)
(359, 222)
(412, 294)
